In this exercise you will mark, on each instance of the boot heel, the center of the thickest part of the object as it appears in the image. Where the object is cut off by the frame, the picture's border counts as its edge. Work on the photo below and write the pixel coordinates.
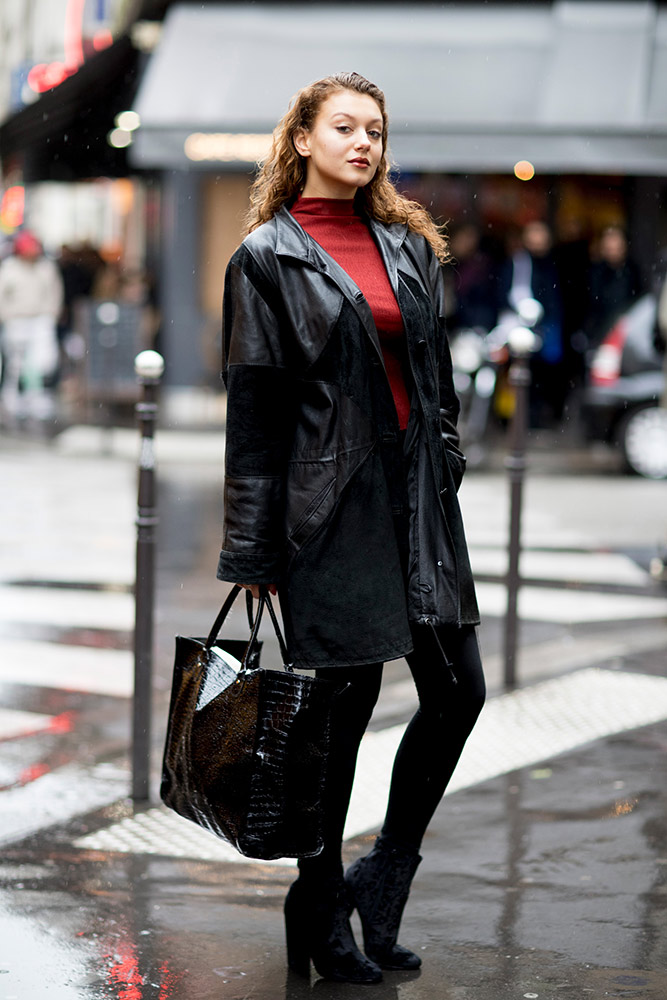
(298, 952)
(317, 929)
(298, 958)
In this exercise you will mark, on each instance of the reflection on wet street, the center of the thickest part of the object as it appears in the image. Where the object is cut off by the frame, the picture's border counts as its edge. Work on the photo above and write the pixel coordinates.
(546, 881)
(544, 871)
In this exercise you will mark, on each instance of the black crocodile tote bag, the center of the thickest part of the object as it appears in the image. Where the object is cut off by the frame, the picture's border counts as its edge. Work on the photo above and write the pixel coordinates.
(246, 748)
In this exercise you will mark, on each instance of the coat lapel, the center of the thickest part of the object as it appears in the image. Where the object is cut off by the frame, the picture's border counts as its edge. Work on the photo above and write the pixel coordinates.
(293, 241)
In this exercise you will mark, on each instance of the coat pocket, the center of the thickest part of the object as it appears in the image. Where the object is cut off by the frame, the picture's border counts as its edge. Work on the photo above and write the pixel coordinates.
(316, 509)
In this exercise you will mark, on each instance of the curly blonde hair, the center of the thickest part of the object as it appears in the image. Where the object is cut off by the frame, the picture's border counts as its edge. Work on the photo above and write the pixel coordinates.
(282, 175)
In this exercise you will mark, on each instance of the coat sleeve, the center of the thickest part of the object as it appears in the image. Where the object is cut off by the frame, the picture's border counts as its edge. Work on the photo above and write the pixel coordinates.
(449, 403)
(259, 425)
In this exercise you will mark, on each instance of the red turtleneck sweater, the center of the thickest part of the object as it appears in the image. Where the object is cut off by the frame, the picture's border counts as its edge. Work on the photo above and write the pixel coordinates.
(333, 224)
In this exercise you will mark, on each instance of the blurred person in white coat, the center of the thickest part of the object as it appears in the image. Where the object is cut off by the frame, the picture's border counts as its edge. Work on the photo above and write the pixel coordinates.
(31, 298)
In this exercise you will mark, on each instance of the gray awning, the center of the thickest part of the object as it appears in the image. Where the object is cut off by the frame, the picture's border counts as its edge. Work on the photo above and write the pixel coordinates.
(571, 86)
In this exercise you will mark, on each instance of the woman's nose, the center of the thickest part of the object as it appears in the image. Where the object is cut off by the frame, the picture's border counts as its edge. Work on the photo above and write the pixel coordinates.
(362, 141)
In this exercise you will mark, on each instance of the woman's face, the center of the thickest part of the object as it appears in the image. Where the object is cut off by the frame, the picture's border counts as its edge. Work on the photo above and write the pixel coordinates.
(344, 147)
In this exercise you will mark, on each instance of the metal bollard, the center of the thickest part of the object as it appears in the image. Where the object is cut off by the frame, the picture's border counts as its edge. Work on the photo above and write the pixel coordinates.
(521, 343)
(149, 366)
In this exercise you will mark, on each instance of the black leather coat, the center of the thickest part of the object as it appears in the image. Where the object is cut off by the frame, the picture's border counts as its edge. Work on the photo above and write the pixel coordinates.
(306, 504)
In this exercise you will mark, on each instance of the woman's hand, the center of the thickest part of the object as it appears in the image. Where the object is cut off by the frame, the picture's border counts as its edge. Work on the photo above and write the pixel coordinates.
(254, 588)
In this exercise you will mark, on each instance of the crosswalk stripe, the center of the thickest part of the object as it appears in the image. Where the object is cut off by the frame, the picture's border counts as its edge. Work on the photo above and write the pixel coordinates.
(584, 567)
(70, 668)
(69, 608)
(14, 723)
(569, 607)
(58, 796)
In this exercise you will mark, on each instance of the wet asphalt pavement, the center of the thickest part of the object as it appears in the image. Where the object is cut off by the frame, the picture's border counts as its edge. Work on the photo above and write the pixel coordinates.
(542, 880)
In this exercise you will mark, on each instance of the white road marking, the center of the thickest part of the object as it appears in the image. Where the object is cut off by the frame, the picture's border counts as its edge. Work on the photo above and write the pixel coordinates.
(68, 668)
(14, 723)
(583, 567)
(58, 796)
(569, 607)
(67, 608)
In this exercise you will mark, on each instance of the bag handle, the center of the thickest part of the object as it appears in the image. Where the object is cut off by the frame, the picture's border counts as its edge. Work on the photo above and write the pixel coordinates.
(222, 614)
(264, 599)
(264, 595)
(248, 608)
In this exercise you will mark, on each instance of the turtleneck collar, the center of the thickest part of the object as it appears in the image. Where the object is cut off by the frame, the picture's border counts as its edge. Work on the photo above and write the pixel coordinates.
(331, 207)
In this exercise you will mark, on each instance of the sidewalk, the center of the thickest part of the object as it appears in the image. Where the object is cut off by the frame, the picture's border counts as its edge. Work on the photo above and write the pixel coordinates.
(544, 869)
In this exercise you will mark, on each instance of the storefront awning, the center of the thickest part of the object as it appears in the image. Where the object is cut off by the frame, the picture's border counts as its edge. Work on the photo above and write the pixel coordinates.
(63, 134)
(570, 86)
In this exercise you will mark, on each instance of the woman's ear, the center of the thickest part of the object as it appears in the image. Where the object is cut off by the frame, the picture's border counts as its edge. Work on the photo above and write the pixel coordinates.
(301, 140)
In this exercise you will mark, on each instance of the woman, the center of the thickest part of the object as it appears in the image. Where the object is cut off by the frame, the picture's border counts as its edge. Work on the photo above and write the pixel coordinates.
(342, 467)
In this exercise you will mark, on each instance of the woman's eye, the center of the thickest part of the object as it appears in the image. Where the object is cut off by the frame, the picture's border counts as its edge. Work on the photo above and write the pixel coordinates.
(374, 134)
(343, 128)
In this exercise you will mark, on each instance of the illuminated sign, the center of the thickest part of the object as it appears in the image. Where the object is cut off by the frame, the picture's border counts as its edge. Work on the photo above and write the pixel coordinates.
(227, 146)
(46, 76)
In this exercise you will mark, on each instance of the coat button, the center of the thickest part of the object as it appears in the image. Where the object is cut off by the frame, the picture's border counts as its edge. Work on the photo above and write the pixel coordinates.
(426, 588)
(440, 563)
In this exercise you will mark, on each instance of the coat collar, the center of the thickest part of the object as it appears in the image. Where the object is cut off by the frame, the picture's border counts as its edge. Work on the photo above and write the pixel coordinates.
(293, 241)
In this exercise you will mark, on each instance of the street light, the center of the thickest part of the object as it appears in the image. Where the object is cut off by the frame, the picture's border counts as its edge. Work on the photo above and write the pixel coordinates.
(149, 366)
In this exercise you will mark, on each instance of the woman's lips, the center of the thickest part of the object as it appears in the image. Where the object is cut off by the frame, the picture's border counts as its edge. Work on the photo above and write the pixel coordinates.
(360, 162)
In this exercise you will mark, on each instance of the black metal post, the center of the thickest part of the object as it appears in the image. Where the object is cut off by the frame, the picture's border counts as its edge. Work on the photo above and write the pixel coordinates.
(148, 366)
(515, 463)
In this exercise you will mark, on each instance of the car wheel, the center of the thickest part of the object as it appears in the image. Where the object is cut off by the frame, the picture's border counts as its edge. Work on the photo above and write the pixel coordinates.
(643, 438)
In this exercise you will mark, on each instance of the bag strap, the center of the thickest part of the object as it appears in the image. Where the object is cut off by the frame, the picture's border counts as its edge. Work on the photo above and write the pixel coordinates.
(222, 614)
(249, 610)
(264, 600)
(264, 595)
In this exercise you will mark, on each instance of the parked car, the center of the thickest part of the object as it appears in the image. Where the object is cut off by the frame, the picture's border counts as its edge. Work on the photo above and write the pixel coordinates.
(625, 387)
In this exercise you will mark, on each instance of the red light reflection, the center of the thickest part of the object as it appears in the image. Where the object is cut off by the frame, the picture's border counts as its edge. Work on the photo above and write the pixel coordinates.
(124, 975)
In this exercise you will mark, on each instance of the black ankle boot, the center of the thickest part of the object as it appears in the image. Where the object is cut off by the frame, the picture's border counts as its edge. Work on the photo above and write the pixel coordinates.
(379, 885)
(317, 927)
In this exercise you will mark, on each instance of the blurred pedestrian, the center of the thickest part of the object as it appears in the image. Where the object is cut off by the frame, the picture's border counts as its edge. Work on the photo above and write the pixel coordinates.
(471, 280)
(532, 273)
(31, 298)
(77, 283)
(573, 262)
(342, 467)
(614, 283)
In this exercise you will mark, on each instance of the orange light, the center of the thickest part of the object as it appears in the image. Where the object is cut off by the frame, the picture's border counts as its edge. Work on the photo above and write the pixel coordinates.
(12, 207)
(524, 170)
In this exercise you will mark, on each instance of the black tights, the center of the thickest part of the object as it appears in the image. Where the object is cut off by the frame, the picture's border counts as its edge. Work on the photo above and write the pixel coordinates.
(429, 750)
